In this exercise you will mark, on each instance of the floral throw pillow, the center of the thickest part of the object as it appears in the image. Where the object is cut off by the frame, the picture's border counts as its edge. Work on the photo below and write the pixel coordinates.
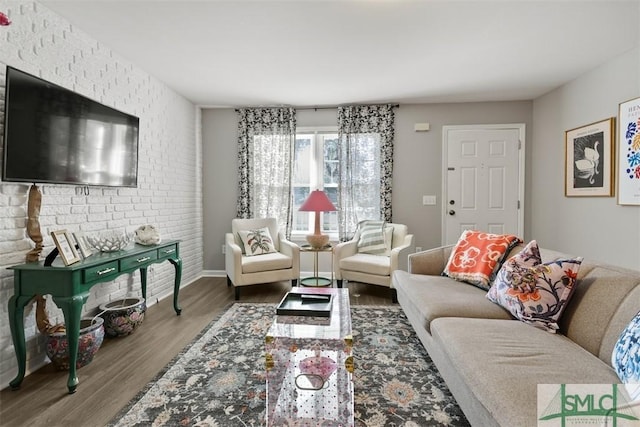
(535, 293)
(257, 242)
(626, 353)
(477, 255)
(516, 270)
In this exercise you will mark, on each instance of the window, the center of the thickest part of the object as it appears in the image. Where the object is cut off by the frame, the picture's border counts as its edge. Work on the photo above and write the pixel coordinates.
(315, 167)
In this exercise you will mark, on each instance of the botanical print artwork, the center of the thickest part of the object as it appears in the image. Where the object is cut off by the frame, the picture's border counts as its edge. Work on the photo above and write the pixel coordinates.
(589, 154)
(629, 153)
(587, 168)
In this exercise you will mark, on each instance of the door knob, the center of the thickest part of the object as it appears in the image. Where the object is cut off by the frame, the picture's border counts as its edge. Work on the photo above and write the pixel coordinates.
(452, 202)
(452, 212)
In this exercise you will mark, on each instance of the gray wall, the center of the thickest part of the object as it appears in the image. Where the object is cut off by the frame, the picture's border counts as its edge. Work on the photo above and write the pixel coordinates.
(594, 227)
(417, 164)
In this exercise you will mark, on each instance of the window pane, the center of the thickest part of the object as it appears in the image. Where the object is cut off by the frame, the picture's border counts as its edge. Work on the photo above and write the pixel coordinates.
(300, 219)
(331, 147)
(330, 222)
(300, 194)
(303, 154)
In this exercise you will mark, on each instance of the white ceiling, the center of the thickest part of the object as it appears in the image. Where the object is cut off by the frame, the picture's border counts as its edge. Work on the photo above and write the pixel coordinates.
(319, 53)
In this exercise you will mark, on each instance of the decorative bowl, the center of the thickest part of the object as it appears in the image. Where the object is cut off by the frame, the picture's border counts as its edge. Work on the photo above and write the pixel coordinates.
(89, 341)
(122, 317)
(110, 241)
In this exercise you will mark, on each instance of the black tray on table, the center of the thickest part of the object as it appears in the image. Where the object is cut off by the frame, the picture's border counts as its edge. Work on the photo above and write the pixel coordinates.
(301, 304)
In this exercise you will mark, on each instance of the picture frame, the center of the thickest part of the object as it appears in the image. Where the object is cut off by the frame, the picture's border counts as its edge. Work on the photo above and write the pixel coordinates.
(629, 152)
(66, 247)
(590, 160)
(83, 244)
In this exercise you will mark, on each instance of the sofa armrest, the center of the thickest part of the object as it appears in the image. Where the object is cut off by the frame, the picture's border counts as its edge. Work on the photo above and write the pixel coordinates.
(400, 254)
(430, 262)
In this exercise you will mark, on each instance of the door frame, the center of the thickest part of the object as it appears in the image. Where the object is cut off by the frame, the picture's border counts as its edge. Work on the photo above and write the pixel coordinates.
(521, 128)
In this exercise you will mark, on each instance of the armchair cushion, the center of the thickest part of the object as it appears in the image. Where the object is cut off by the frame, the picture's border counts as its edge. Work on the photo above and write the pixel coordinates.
(266, 262)
(367, 263)
(257, 241)
(373, 239)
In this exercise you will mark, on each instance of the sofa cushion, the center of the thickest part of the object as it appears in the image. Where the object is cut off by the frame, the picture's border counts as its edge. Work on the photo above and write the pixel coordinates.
(437, 296)
(266, 262)
(514, 359)
(257, 242)
(626, 353)
(367, 263)
(477, 255)
(536, 294)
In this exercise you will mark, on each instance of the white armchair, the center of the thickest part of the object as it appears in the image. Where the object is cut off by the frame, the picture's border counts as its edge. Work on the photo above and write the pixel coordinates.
(369, 268)
(244, 270)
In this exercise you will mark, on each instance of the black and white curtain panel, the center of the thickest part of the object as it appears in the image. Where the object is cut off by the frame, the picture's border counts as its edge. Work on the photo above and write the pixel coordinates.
(265, 158)
(365, 165)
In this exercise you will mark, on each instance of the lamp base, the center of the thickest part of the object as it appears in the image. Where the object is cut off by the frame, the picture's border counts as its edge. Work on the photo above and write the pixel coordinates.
(318, 241)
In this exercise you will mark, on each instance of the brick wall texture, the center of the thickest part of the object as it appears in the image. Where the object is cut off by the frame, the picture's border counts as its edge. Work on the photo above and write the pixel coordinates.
(169, 192)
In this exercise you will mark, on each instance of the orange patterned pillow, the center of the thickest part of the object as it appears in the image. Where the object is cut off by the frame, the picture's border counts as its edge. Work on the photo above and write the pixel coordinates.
(477, 255)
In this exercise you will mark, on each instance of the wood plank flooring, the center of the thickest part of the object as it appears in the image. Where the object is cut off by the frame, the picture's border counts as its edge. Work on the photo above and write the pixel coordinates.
(123, 366)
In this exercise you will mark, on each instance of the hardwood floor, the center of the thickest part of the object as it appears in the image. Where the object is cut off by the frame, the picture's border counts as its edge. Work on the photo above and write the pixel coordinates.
(123, 366)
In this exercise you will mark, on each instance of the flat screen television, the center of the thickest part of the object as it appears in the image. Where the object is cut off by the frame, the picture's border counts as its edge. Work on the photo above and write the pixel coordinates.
(54, 135)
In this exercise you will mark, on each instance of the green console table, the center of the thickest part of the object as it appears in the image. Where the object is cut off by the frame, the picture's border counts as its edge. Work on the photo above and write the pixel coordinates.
(69, 287)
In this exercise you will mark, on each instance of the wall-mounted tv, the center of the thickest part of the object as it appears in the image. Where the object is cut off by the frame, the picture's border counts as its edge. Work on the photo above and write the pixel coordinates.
(54, 135)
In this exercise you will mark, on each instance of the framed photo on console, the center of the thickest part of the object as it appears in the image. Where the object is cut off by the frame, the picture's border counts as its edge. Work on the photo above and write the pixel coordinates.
(83, 244)
(589, 159)
(66, 247)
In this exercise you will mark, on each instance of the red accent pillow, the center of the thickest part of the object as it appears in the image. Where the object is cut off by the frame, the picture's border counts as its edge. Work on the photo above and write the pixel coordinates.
(477, 255)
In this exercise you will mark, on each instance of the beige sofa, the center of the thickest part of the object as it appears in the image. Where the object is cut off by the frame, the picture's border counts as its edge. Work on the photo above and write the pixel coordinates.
(493, 363)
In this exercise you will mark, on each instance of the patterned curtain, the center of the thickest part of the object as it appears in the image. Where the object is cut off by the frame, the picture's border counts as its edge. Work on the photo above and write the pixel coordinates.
(365, 165)
(266, 137)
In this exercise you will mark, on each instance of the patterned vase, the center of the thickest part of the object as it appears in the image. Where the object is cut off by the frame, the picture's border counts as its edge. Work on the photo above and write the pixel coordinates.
(122, 317)
(89, 341)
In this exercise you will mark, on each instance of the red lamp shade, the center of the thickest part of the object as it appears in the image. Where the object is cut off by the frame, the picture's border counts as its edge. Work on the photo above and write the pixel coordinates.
(317, 202)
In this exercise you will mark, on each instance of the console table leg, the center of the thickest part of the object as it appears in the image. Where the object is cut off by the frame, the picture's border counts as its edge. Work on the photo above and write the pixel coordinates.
(143, 282)
(16, 324)
(72, 309)
(177, 264)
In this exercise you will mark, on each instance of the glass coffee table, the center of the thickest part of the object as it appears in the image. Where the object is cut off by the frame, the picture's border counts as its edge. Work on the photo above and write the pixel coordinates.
(309, 365)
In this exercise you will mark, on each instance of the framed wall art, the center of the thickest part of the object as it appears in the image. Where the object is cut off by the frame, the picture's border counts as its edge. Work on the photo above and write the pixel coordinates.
(66, 247)
(629, 152)
(589, 159)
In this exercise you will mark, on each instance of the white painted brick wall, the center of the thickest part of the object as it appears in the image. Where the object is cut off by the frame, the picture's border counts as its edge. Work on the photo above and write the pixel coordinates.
(169, 189)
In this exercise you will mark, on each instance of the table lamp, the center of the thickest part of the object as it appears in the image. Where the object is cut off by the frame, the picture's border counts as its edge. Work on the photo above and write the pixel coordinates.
(317, 202)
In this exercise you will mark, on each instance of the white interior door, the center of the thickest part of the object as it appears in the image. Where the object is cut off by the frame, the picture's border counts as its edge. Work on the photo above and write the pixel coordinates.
(483, 181)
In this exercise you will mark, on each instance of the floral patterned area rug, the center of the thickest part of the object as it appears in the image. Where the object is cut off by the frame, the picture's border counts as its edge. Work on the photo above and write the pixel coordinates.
(219, 379)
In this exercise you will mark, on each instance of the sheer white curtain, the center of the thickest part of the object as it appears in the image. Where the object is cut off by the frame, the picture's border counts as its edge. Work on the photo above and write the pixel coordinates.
(365, 165)
(266, 138)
